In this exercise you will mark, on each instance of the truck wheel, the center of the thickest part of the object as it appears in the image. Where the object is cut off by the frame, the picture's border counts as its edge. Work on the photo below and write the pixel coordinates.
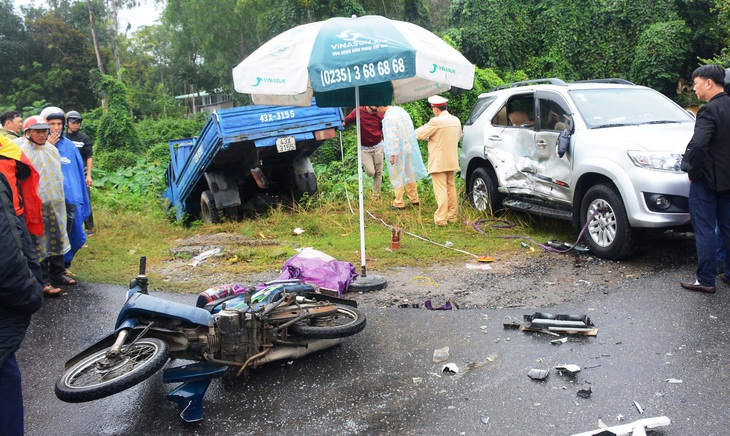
(608, 234)
(482, 191)
(208, 211)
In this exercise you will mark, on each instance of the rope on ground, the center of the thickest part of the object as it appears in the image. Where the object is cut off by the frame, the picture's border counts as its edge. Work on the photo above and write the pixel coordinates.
(505, 224)
(391, 227)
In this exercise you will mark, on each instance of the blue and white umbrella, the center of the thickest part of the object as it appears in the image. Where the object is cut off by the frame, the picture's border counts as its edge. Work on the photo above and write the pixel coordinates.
(386, 59)
(354, 61)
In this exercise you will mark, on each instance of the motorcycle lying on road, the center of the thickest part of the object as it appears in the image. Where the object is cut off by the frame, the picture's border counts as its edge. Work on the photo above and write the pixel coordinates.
(227, 338)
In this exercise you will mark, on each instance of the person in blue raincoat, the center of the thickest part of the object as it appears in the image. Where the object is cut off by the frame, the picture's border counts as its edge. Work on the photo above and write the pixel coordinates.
(405, 164)
(74, 189)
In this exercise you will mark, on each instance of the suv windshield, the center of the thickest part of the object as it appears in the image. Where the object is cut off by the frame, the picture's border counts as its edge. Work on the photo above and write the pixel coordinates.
(613, 107)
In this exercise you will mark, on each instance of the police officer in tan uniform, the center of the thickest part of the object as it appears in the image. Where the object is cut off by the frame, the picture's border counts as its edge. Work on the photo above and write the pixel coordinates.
(443, 132)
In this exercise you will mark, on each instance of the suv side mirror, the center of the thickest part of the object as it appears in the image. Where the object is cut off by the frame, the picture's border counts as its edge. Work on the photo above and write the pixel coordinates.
(564, 138)
(563, 142)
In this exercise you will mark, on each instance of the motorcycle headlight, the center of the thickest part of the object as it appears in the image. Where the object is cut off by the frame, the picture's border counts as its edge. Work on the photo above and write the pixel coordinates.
(657, 160)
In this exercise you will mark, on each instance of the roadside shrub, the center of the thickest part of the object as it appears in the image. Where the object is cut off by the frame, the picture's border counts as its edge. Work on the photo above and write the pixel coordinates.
(159, 154)
(113, 160)
(152, 132)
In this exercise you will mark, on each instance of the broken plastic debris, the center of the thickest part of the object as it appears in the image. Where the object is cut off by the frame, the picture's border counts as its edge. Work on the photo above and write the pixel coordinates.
(632, 428)
(559, 341)
(417, 380)
(484, 419)
(448, 244)
(441, 354)
(450, 368)
(673, 380)
(585, 393)
(538, 374)
(568, 324)
(475, 266)
(445, 306)
(638, 407)
(511, 325)
(298, 231)
(570, 369)
(197, 260)
(620, 417)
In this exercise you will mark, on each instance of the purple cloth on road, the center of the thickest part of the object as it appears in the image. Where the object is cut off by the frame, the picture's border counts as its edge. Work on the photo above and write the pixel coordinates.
(317, 268)
(445, 306)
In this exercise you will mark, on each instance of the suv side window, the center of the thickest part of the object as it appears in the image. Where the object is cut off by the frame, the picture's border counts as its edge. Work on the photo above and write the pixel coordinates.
(519, 111)
(554, 113)
(479, 107)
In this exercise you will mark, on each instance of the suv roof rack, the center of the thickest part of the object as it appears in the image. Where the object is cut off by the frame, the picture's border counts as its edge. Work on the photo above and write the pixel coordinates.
(551, 81)
(608, 80)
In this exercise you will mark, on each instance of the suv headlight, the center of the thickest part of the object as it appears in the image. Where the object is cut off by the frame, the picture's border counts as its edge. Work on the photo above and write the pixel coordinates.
(657, 160)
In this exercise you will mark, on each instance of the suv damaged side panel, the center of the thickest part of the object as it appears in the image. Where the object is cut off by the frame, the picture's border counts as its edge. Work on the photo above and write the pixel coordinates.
(602, 154)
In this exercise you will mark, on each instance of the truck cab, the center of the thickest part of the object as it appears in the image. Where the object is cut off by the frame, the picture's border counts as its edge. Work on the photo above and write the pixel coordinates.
(247, 159)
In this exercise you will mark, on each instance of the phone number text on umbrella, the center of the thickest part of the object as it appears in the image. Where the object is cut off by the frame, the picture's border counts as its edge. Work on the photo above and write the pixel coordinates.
(369, 72)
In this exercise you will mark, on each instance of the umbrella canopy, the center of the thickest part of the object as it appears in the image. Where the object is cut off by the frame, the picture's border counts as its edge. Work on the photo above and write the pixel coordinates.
(354, 61)
(385, 59)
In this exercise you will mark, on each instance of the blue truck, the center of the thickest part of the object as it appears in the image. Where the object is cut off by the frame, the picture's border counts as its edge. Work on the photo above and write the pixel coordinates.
(247, 159)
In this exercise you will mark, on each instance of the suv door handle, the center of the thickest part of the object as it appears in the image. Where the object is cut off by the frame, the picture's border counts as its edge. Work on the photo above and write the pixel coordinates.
(541, 144)
(495, 138)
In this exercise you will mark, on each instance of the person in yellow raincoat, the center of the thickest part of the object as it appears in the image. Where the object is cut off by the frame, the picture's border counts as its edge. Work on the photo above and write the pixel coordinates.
(47, 161)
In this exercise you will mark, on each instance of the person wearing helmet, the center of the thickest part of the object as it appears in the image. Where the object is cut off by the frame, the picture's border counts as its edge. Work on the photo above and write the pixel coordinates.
(47, 160)
(76, 195)
(86, 147)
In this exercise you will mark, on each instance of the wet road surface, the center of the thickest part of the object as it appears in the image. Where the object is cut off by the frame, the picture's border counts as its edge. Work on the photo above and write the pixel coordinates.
(383, 380)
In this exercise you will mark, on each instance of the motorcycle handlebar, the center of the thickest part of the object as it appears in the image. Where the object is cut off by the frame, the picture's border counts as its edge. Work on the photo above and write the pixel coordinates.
(142, 265)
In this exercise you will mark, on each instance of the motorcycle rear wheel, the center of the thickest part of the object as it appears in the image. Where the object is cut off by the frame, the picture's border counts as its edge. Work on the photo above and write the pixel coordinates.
(84, 381)
(346, 322)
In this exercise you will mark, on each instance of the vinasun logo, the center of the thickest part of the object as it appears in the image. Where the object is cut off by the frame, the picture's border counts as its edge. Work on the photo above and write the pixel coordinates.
(260, 80)
(441, 68)
(354, 39)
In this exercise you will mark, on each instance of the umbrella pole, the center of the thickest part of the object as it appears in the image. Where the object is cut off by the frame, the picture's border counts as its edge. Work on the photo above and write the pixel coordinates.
(359, 183)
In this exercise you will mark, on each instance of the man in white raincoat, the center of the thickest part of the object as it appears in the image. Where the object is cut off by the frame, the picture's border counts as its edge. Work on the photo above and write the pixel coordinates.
(405, 164)
(47, 161)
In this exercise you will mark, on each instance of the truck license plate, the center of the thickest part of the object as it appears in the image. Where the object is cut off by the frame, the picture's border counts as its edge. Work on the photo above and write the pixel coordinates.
(286, 144)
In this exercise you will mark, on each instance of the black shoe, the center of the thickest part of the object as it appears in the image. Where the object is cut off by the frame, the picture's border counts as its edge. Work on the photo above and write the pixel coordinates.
(396, 208)
(725, 279)
(693, 286)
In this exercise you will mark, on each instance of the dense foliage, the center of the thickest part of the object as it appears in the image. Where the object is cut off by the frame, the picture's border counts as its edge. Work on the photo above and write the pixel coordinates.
(126, 88)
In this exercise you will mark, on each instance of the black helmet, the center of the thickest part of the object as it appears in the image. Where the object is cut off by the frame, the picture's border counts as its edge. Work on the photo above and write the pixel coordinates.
(73, 116)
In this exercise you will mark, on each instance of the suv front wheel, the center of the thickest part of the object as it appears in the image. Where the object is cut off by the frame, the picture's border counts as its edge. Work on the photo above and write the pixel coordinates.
(608, 233)
(483, 193)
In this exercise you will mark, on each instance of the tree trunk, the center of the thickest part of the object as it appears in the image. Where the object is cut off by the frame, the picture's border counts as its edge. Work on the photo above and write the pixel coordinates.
(115, 36)
(99, 62)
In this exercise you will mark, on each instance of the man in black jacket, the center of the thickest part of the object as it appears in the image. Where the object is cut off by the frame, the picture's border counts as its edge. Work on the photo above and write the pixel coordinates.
(707, 162)
(20, 296)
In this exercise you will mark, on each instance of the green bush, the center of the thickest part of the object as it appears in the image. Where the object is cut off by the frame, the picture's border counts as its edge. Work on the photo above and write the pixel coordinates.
(114, 160)
(152, 132)
(159, 154)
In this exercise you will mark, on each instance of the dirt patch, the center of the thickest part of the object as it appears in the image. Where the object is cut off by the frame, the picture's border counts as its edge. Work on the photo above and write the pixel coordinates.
(530, 279)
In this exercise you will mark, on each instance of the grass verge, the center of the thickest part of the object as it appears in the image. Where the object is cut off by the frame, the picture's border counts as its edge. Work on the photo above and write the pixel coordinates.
(123, 235)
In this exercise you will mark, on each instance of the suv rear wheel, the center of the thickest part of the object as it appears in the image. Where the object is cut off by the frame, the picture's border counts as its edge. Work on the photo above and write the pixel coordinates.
(483, 193)
(608, 234)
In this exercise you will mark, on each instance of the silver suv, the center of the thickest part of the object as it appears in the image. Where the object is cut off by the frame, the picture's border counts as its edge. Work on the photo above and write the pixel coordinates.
(603, 154)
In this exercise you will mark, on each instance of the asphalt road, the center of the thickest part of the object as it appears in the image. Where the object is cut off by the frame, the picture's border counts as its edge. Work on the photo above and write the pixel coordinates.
(649, 330)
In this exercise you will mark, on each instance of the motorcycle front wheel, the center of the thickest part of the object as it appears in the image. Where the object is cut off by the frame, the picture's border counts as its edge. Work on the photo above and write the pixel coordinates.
(96, 377)
(346, 322)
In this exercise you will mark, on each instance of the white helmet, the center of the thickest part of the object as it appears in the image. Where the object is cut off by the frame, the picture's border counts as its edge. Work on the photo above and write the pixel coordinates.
(54, 113)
